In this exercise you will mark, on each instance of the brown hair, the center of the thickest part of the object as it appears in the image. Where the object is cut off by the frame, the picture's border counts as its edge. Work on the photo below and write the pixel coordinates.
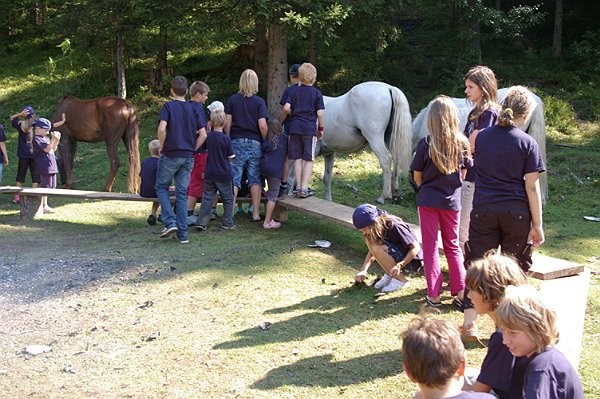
(179, 85)
(485, 78)
(198, 87)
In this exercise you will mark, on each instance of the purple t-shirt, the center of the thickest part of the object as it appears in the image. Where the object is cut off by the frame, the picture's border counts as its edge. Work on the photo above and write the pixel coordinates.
(504, 155)
(285, 98)
(183, 123)
(400, 234)
(45, 162)
(273, 158)
(148, 177)
(245, 113)
(2, 139)
(551, 376)
(24, 149)
(305, 101)
(218, 165)
(471, 395)
(438, 190)
(501, 370)
(200, 109)
(486, 119)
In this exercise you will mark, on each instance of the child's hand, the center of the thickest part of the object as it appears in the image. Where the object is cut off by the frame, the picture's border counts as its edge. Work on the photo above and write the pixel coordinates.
(360, 277)
(56, 134)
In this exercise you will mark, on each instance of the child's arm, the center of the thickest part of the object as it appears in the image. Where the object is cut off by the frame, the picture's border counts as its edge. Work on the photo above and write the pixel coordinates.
(4, 153)
(362, 273)
(61, 122)
(161, 133)
(54, 140)
(263, 127)
(415, 247)
(321, 119)
(201, 138)
(21, 114)
(285, 111)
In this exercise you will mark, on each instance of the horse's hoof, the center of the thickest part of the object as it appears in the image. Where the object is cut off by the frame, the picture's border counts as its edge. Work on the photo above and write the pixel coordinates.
(396, 199)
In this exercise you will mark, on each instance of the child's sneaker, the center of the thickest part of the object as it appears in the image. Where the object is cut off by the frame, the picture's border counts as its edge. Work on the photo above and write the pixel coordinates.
(213, 214)
(151, 220)
(382, 282)
(16, 199)
(228, 227)
(168, 231)
(394, 285)
(192, 219)
(199, 227)
(469, 333)
(273, 224)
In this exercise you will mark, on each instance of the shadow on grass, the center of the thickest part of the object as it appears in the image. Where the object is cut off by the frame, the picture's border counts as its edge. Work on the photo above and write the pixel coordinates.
(322, 371)
(353, 306)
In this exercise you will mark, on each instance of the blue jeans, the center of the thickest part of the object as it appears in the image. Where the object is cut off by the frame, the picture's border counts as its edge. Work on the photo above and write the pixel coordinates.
(177, 170)
(247, 156)
(225, 189)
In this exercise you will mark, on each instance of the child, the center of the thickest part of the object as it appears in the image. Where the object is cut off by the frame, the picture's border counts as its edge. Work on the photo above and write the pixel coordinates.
(3, 153)
(487, 279)
(438, 167)
(391, 243)
(305, 108)
(23, 122)
(148, 178)
(434, 357)
(284, 119)
(218, 175)
(274, 150)
(45, 161)
(529, 329)
(199, 94)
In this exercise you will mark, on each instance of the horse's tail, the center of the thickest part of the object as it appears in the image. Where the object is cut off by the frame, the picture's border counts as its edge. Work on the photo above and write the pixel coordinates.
(132, 141)
(537, 129)
(401, 132)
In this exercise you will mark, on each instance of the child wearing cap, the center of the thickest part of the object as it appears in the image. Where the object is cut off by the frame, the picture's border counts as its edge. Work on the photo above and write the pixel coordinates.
(3, 153)
(45, 161)
(23, 122)
(284, 119)
(391, 243)
(434, 357)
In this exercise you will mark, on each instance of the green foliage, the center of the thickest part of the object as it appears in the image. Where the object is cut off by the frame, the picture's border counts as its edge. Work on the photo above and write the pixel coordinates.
(560, 115)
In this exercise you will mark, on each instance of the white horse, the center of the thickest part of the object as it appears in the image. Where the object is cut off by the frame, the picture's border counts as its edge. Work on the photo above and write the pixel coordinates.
(372, 113)
(535, 125)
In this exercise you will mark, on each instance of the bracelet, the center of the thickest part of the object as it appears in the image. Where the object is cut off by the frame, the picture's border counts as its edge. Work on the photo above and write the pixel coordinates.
(321, 128)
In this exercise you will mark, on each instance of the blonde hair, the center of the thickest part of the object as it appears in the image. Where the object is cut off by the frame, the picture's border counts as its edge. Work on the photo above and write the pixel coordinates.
(248, 83)
(198, 87)
(490, 275)
(517, 103)
(217, 118)
(432, 351)
(307, 73)
(153, 147)
(523, 309)
(485, 78)
(447, 146)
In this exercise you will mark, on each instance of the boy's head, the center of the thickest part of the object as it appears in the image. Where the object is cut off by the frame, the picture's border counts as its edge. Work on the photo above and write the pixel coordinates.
(217, 118)
(489, 277)
(153, 147)
(528, 323)
(307, 73)
(179, 85)
(432, 352)
(200, 90)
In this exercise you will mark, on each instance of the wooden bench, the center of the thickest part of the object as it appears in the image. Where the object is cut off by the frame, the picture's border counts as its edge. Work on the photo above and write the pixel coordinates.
(30, 198)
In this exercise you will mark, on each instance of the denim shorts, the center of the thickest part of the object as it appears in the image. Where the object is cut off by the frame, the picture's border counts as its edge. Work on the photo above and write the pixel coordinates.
(394, 251)
(247, 156)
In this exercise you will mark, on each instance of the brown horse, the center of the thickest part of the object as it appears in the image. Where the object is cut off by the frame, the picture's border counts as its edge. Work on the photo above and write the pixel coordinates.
(107, 119)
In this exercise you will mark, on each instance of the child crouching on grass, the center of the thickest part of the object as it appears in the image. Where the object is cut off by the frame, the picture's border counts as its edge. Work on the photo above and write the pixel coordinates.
(434, 357)
(148, 178)
(529, 329)
(45, 161)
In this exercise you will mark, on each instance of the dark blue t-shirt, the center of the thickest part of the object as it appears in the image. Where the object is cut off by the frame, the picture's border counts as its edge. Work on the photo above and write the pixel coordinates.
(501, 370)
(183, 123)
(504, 155)
(305, 101)
(24, 149)
(218, 166)
(486, 119)
(2, 139)
(551, 376)
(245, 113)
(400, 234)
(200, 109)
(273, 158)
(285, 98)
(45, 162)
(148, 177)
(438, 190)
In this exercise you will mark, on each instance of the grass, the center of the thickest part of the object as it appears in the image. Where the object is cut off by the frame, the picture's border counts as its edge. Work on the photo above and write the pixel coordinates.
(137, 316)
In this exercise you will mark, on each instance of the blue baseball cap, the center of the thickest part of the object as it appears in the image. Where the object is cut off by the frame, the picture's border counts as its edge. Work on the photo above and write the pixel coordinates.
(31, 111)
(364, 215)
(43, 123)
(293, 71)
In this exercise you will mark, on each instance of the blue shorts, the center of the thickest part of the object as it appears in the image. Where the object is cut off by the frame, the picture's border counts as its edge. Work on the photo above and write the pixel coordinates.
(247, 156)
(302, 147)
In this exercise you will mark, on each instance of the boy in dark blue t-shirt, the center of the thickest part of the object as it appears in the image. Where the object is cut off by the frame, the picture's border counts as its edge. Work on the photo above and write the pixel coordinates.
(218, 175)
(148, 178)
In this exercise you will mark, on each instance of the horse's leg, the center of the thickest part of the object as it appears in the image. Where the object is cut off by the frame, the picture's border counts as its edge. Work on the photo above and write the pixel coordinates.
(327, 175)
(66, 149)
(385, 161)
(113, 158)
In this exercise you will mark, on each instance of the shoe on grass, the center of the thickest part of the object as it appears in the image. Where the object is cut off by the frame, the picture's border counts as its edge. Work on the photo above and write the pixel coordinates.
(168, 232)
(273, 224)
(469, 333)
(383, 281)
(192, 219)
(394, 285)
(228, 227)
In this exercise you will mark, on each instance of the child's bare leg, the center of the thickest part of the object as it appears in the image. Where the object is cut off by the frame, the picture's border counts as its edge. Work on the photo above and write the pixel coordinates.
(307, 167)
(386, 261)
(191, 203)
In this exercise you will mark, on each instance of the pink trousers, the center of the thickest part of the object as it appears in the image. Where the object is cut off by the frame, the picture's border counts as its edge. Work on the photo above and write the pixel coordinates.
(447, 221)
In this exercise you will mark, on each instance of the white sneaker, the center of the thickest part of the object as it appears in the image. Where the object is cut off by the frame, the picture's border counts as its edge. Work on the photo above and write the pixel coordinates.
(385, 280)
(394, 285)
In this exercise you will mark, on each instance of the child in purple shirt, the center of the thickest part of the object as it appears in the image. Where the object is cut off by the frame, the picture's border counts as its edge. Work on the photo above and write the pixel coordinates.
(3, 153)
(148, 178)
(438, 167)
(45, 161)
(23, 122)
(274, 150)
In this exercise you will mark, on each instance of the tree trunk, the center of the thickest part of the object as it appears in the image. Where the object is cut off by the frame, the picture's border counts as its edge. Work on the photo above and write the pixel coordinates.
(312, 55)
(120, 64)
(277, 68)
(261, 54)
(558, 23)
